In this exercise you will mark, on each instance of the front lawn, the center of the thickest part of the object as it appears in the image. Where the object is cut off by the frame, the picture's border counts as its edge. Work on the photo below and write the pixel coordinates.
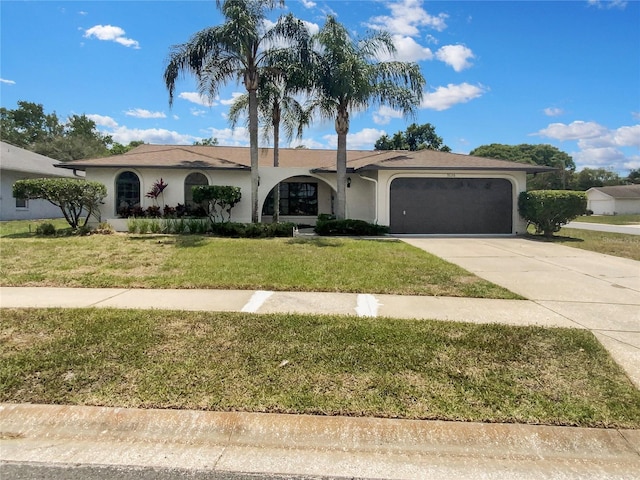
(610, 219)
(308, 364)
(616, 244)
(290, 264)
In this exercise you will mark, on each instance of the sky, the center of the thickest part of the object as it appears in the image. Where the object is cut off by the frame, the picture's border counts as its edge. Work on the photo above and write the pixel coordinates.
(561, 73)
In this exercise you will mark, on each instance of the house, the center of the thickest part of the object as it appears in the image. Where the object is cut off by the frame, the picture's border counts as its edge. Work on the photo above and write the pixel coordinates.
(614, 200)
(426, 191)
(19, 164)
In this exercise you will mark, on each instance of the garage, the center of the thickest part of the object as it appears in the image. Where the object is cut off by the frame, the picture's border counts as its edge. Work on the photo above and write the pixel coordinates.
(463, 206)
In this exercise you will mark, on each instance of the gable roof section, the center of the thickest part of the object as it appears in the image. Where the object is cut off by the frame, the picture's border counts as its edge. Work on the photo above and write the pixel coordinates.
(620, 191)
(25, 161)
(220, 157)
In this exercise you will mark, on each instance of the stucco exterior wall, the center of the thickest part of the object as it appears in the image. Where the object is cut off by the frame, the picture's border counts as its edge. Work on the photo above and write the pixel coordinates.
(35, 209)
(603, 204)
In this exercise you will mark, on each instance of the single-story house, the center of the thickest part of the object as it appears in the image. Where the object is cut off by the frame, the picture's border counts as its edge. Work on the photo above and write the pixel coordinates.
(618, 200)
(19, 164)
(427, 191)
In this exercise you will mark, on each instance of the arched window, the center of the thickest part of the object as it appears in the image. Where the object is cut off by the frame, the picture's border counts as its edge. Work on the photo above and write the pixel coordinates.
(192, 180)
(127, 191)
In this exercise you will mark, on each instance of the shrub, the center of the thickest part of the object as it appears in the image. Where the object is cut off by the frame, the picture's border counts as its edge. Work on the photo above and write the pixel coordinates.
(46, 229)
(548, 210)
(153, 212)
(253, 230)
(349, 227)
(220, 199)
(75, 198)
(104, 228)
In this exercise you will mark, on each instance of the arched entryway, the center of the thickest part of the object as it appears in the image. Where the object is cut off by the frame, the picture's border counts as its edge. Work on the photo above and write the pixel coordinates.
(302, 199)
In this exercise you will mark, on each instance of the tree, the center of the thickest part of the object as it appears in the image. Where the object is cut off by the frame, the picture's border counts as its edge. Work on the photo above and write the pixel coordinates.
(542, 154)
(415, 137)
(119, 149)
(75, 198)
(31, 128)
(28, 125)
(345, 76)
(238, 48)
(276, 106)
(206, 142)
(634, 176)
(596, 177)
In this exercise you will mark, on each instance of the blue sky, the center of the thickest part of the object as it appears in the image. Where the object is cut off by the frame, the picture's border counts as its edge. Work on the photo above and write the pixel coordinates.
(563, 73)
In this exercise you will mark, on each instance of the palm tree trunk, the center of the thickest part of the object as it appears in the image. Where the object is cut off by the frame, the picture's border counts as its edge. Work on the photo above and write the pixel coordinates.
(342, 128)
(253, 143)
(276, 163)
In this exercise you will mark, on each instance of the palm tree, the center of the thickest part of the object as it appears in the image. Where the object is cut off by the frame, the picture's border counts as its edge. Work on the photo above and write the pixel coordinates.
(276, 107)
(238, 48)
(346, 76)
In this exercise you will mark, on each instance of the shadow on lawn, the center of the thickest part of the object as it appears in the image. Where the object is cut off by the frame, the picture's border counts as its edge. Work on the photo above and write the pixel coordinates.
(553, 239)
(316, 242)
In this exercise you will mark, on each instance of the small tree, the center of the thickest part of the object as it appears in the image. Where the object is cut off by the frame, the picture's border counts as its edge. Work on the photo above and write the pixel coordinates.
(548, 210)
(74, 197)
(220, 199)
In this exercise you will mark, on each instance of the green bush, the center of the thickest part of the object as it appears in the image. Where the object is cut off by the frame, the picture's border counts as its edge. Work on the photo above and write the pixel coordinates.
(253, 230)
(326, 225)
(46, 229)
(548, 210)
(75, 198)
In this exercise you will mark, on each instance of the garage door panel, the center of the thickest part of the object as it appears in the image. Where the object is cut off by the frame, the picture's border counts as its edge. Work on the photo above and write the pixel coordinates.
(451, 205)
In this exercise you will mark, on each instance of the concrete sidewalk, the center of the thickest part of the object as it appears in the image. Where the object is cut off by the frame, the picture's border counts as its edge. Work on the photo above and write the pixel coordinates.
(311, 445)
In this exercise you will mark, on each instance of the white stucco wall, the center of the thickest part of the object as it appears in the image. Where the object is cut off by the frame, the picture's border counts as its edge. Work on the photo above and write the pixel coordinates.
(35, 209)
(385, 177)
(603, 204)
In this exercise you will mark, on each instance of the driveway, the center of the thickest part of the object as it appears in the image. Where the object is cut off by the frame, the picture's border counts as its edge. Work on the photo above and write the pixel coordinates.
(598, 292)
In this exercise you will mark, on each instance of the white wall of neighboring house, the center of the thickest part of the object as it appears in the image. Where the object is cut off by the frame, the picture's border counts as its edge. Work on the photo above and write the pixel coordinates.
(20, 164)
(602, 204)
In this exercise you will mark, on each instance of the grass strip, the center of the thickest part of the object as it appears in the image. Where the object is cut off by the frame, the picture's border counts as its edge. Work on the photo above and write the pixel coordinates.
(328, 365)
(625, 219)
(616, 244)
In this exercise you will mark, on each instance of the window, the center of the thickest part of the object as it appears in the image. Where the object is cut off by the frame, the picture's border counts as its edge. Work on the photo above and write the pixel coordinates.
(295, 199)
(192, 180)
(22, 203)
(127, 191)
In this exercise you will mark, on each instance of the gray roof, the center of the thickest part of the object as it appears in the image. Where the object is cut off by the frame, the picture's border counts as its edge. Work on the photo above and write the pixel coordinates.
(20, 160)
(620, 191)
(237, 158)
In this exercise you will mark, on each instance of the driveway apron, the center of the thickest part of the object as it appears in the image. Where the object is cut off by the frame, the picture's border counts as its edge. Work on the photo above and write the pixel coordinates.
(596, 291)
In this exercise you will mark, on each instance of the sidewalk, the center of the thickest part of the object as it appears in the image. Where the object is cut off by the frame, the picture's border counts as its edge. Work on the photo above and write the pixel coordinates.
(310, 445)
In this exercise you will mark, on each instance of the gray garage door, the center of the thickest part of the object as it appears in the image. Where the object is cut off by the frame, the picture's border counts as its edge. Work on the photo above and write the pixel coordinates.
(451, 205)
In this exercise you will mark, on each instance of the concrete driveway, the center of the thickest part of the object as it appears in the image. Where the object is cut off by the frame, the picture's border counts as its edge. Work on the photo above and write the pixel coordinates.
(598, 292)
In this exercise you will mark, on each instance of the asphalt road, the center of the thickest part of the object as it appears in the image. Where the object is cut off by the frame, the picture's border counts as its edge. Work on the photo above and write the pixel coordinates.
(601, 227)
(33, 471)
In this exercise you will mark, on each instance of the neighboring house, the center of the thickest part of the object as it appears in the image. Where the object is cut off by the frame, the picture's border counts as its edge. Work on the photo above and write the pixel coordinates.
(19, 164)
(614, 200)
(413, 192)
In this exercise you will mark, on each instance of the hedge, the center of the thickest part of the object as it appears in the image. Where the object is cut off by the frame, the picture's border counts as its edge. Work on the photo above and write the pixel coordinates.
(549, 210)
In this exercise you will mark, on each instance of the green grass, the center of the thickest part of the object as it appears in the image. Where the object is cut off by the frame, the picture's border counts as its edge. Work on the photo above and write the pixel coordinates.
(317, 264)
(26, 228)
(313, 365)
(616, 244)
(610, 219)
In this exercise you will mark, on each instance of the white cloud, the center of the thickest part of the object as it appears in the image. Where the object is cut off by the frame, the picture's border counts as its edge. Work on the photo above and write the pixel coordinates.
(195, 97)
(632, 162)
(384, 115)
(125, 135)
(362, 140)
(406, 18)
(308, 4)
(196, 112)
(446, 97)
(627, 136)
(553, 111)
(8, 82)
(407, 50)
(457, 56)
(236, 137)
(111, 33)
(142, 113)
(103, 121)
(230, 101)
(307, 142)
(607, 157)
(83, 13)
(574, 131)
(607, 4)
